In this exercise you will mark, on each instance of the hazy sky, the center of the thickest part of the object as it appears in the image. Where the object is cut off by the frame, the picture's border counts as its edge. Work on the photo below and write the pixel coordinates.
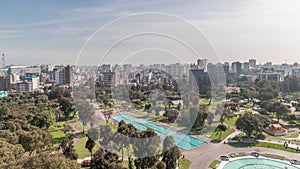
(35, 32)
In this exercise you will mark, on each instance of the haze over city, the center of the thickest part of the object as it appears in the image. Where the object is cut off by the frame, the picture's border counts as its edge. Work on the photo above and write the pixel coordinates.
(34, 32)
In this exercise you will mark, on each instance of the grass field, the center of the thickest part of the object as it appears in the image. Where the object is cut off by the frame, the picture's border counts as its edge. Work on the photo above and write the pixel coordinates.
(78, 127)
(264, 144)
(57, 134)
(231, 120)
(216, 135)
(81, 150)
(293, 135)
(184, 164)
(214, 164)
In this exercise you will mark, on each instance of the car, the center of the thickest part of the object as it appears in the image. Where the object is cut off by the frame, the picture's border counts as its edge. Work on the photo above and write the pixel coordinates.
(224, 158)
(295, 162)
(86, 163)
(255, 154)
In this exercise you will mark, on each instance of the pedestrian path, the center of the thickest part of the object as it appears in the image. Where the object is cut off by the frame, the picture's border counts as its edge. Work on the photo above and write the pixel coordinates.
(295, 146)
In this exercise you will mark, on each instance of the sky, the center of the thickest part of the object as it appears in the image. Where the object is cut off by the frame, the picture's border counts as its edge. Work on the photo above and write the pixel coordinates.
(71, 31)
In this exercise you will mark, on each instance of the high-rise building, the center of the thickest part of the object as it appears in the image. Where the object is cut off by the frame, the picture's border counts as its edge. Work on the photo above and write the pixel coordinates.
(62, 75)
(202, 64)
(252, 63)
(24, 86)
(127, 68)
(35, 81)
(226, 68)
(112, 79)
(246, 67)
(105, 68)
(199, 78)
(236, 68)
(68, 75)
(175, 70)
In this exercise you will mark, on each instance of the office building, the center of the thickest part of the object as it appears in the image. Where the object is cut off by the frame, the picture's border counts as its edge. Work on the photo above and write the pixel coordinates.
(252, 63)
(202, 64)
(236, 68)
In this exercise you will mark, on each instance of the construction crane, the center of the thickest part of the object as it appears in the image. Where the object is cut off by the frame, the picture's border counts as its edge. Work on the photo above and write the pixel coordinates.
(3, 60)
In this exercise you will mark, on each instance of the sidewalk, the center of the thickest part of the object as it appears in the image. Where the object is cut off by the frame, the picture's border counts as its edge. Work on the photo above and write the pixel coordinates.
(295, 146)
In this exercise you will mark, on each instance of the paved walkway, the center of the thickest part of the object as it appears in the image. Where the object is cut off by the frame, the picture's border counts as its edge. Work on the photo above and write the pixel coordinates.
(281, 142)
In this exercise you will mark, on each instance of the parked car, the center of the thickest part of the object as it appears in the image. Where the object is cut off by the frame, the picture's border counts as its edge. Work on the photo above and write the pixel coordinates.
(224, 158)
(86, 163)
(295, 162)
(255, 154)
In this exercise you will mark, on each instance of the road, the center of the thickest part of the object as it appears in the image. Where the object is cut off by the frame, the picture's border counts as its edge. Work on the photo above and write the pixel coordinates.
(202, 157)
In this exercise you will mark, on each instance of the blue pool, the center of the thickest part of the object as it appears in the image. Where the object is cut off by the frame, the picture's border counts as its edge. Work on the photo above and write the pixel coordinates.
(258, 163)
(3, 94)
(182, 140)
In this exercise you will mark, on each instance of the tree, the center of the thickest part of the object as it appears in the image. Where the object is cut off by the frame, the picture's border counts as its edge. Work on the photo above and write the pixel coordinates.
(106, 135)
(85, 112)
(171, 153)
(9, 152)
(107, 114)
(66, 106)
(290, 84)
(34, 140)
(226, 113)
(4, 110)
(172, 115)
(93, 135)
(249, 123)
(42, 119)
(68, 148)
(280, 109)
(210, 119)
(90, 144)
(209, 96)
(161, 165)
(200, 115)
(103, 159)
(146, 149)
(220, 128)
(123, 135)
(44, 160)
(67, 128)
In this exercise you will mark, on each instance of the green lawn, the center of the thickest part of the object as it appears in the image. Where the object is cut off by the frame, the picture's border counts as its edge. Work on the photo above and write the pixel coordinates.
(214, 164)
(184, 164)
(231, 120)
(102, 122)
(203, 101)
(275, 156)
(216, 135)
(264, 144)
(81, 150)
(57, 134)
(78, 127)
(142, 114)
(294, 135)
(57, 137)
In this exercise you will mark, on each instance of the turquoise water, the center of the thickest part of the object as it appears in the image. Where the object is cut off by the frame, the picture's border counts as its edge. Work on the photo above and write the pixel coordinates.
(3, 94)
(257, 163)
(182, 140)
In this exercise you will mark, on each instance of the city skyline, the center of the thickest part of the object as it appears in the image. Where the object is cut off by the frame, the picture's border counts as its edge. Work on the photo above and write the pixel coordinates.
(54, 32)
